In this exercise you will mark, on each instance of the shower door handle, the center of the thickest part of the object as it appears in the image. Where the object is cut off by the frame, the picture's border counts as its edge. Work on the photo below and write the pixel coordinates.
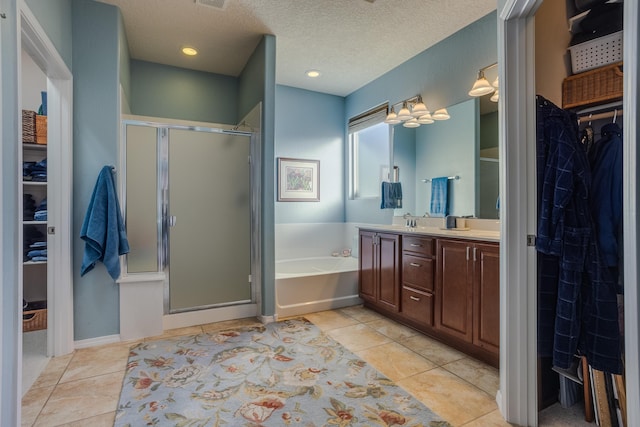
(172, 221)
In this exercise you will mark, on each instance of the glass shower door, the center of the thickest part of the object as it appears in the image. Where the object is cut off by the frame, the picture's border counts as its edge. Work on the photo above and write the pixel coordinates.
(209, 208)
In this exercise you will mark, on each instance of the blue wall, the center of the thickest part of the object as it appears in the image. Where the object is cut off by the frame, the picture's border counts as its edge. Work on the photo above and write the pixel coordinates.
(442, 74)
(96, 122)
(310, 125)
(164, 91)
(55, 18)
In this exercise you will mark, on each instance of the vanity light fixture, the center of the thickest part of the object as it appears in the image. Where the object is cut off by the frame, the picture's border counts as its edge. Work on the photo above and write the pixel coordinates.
(482, 86)
(413, 113)
(189, 51)
(392, 117)
(495, 97)
(404, 113)
(419, 109)
(441, 114)
(411, 123)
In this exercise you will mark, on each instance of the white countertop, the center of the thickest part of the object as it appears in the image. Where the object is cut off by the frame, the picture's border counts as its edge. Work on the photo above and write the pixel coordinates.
(471, 234)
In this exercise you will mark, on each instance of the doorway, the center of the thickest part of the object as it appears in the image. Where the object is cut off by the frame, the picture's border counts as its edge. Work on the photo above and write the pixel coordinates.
(49, 279)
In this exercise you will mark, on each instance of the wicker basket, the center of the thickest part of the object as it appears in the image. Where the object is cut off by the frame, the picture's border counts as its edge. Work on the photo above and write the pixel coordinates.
(28, 126)
(604, 84)
(34, 320)
(596, 53)
(41, 129)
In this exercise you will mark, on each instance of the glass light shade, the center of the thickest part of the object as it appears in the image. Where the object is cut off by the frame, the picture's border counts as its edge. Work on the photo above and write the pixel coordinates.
(481, 87)
(441, 114)
(496, 83)
(392, 118)
(419, 109)
(411, 123)
(425, 119)
(404, 113)
(495, 97)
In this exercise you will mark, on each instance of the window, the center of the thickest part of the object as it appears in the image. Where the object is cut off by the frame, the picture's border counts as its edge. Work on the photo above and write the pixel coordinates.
(369, 153)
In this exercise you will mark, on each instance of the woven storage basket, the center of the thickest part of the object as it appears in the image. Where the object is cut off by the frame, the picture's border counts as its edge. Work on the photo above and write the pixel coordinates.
(604, 84)
(34, 320)
(28, 126)
(41, 129)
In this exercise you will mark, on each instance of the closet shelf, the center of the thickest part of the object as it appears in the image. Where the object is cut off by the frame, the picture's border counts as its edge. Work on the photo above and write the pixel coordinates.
(35, 183)
(34, 222)
(34, 263)
(32, 146)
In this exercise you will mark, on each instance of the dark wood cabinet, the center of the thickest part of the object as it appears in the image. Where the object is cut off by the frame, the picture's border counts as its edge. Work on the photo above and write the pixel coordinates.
(417, 297)
(446, 288)
(468, 293)
(454, 297)
(379, 275)
(486, 291)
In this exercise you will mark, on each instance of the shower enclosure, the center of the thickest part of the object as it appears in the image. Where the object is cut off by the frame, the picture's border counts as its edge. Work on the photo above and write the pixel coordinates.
(188, 211)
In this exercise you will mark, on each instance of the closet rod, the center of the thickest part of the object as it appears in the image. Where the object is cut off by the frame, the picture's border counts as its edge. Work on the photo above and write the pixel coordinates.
(603, 107)
(592, 117)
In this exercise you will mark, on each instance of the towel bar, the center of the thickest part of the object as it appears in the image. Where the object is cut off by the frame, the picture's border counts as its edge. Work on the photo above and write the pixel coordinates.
(449, 177)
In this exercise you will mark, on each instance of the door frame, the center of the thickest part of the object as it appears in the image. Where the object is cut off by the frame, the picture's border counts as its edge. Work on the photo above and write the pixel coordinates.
(35, 41)
(517, 398)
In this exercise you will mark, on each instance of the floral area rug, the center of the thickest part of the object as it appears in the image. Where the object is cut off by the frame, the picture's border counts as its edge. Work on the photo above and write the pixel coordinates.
(286, 373)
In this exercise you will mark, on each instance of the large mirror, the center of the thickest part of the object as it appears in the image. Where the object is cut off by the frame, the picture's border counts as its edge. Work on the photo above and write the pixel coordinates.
(465, 148)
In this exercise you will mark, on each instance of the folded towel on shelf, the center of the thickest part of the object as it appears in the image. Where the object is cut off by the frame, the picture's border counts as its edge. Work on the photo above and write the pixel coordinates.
(103, 227)
(439, 206)
(37, 253)
(391, 195)
(40, 216)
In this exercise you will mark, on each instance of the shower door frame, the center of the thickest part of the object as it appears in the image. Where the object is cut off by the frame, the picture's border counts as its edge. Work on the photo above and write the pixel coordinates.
(162, 127)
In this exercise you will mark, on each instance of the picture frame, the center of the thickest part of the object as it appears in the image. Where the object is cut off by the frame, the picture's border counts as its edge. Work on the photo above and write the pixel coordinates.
(298, 180)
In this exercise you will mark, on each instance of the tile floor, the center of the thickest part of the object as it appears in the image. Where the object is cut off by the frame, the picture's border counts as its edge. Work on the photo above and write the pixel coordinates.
(83, 388)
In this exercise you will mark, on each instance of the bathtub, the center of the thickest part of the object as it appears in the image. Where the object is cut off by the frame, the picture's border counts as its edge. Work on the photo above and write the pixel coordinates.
(307, 285)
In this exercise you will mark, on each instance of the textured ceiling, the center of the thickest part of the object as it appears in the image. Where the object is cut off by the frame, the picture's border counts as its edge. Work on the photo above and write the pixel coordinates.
(351, 42)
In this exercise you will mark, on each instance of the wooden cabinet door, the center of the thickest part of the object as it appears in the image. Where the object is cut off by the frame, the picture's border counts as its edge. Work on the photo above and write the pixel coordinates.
(389, 271)
(368, 265)
(454, 297)
(486, 296)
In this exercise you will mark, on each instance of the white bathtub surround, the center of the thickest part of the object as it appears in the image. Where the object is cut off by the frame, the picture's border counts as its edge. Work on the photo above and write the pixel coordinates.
(308, 278)
(141, 305)
(294, 241)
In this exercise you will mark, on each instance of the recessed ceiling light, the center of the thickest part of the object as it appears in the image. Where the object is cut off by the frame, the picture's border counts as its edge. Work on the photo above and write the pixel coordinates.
(313, 73)
(189, 51)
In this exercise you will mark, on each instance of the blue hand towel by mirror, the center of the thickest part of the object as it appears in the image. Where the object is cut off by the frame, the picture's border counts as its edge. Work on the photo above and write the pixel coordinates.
(439, 206)
(391, 195)
(103, 228)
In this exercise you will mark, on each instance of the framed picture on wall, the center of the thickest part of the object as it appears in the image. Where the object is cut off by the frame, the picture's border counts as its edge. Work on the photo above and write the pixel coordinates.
(298, 180)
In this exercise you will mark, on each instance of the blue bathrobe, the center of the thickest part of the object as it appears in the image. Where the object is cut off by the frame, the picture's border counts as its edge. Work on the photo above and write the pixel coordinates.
(103, 227)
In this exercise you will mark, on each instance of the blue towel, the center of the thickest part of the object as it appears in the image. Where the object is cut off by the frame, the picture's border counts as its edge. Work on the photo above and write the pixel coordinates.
(391, 195)
(103, 227)
(439, 197)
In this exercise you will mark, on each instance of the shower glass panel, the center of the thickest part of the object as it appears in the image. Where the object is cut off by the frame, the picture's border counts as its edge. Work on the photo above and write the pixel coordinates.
(209, 205)
(141, 199)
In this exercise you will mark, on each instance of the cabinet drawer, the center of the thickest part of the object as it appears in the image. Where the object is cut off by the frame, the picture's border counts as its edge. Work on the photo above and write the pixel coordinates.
(417, 305)
(419, 245)
(417, 272)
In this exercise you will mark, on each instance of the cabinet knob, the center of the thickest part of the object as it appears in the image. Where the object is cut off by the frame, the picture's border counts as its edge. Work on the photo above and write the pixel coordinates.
(414, 298)
(414, 264)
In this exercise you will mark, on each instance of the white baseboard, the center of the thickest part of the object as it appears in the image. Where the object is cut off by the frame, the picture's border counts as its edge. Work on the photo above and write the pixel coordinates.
(92, 342)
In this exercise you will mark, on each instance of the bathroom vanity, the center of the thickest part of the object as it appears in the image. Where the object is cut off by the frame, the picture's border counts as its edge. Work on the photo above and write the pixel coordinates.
(443, 283)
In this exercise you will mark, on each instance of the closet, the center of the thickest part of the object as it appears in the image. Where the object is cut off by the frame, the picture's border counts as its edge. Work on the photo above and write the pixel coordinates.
(579, 82)
(34, 219)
